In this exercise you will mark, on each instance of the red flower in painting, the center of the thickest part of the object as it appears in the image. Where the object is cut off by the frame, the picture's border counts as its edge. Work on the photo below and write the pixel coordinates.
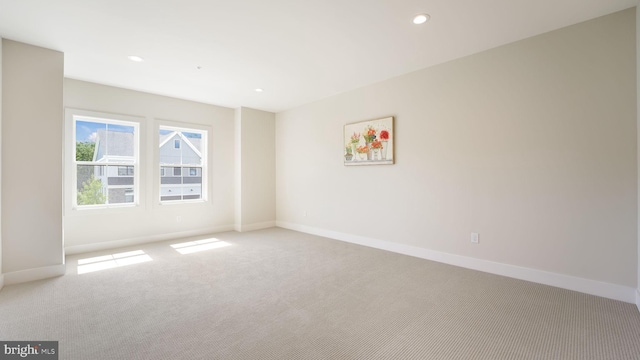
(384, 135)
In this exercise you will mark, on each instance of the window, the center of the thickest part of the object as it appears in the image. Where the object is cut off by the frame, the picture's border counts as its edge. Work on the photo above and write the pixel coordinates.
(125, 170)
(106, 162)
(183, 150)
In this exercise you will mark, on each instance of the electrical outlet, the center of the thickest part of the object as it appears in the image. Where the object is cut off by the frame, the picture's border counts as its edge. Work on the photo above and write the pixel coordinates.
(178, 218)
(304, 213)
(475, 238)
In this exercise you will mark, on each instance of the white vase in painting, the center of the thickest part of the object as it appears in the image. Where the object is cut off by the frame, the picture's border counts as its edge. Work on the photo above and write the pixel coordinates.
(384, 150)
(376, 154)
(354, 146)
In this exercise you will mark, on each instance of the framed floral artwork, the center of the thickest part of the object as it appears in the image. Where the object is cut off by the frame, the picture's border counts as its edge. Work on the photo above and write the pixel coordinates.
(369, 142)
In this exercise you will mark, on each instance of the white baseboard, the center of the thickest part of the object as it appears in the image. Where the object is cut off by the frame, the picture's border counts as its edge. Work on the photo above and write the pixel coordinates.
(114, 244)
(17, 277)
(1, 281)
(638, 299)
(256, 226)
(592, 287)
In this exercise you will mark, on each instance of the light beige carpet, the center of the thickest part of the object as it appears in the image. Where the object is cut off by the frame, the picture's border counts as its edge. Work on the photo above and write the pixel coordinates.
(279, 294)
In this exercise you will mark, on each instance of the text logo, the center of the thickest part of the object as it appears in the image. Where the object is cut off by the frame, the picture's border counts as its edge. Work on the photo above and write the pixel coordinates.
(29, 350)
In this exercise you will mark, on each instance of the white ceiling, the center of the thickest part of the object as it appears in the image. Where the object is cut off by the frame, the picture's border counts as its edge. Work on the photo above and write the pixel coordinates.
(298, 51)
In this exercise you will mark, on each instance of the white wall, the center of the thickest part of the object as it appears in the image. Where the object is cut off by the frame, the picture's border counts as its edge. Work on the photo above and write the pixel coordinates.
(31, 162)
(1, 275)
(97, 229)
(532, 145)
(255, 166)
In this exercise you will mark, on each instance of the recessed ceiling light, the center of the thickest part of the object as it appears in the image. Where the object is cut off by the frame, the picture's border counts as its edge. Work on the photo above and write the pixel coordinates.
(259, 90)
(135, 58)
(421, 19)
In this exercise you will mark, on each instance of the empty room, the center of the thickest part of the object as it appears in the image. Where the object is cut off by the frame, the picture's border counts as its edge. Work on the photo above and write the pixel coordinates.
(348, 179)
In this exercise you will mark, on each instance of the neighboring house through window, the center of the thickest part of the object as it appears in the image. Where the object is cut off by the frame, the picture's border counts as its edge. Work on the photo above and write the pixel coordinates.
(106, 161)
(104, 164)
(182, 154)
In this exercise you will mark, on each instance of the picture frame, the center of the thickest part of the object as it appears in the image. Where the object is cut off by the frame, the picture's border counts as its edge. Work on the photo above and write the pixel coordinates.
(369, 142)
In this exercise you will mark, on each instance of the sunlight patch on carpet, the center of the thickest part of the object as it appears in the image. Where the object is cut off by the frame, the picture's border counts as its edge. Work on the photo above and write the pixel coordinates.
(112, 261)
(199, 245)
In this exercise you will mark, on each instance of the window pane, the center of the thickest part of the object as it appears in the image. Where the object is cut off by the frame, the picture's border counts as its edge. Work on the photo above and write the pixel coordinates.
(120, 175)
(169, 155)
(187, 187)
(192, 153)
(169, 178)
(107, 140)
(128, 195)
(192, 191)
(86, 134)
(195, 139)
(115, 143)
(91, 188)
(120, 195)
(192, 185)
(194, 175)
(171, 192)
(102, 184)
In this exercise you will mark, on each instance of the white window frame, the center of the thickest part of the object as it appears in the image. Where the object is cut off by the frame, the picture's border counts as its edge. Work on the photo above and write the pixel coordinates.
(204, 163)
(72, 116)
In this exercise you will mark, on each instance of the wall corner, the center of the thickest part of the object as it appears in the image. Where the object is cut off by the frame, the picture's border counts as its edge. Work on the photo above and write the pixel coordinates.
(638, 150)
(237, 132)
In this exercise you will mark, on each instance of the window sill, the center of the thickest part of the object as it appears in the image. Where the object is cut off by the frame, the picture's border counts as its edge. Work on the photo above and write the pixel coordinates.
(98, 210)
(110, 206)
(183, 202)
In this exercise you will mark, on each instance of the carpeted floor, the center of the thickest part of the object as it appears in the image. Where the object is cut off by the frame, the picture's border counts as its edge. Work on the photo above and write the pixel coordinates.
(279, 294)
